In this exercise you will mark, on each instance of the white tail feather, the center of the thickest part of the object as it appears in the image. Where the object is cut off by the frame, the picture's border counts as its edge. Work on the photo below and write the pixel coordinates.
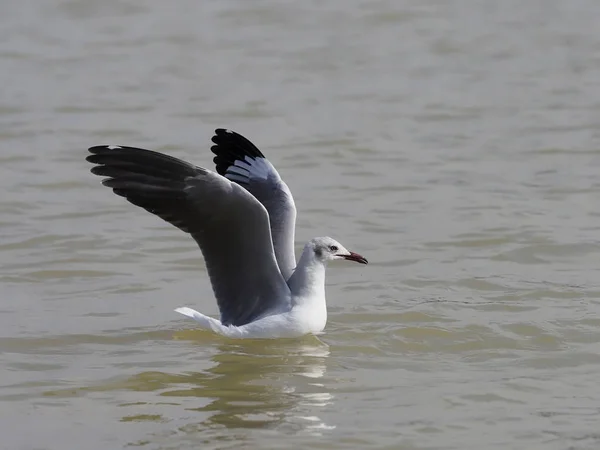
(206, 322)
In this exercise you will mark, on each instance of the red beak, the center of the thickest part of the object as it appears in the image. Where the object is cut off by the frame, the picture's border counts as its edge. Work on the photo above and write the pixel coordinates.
(355, 257)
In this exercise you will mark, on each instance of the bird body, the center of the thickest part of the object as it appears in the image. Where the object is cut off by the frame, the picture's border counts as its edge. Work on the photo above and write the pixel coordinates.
(243, 219)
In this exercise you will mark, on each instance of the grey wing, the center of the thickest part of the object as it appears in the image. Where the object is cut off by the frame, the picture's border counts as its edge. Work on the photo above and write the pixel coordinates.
(229, 224)
(239, 160)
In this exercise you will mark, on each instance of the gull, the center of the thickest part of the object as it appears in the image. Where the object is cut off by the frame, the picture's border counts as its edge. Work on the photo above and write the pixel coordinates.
(243, 219)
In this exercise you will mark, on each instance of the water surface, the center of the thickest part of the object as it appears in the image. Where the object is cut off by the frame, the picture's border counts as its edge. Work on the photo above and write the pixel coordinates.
(455, 144)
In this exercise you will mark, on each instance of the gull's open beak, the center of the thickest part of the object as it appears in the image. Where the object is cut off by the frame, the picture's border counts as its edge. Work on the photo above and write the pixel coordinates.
(355, 257)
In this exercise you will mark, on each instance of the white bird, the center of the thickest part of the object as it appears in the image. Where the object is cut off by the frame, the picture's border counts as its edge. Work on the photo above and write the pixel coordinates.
(243, 219)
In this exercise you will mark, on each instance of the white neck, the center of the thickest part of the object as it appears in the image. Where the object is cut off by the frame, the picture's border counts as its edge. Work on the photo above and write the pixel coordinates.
(307, 283)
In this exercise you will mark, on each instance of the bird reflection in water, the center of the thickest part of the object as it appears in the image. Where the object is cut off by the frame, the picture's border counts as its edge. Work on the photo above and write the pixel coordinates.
(261, 384)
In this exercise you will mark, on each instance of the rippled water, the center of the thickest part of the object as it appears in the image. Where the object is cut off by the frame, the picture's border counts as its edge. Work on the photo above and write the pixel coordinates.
(455, 144)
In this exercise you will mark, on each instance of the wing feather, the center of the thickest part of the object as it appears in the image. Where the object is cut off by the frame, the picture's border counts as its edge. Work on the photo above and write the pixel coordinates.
(240, 161)
(229, 224)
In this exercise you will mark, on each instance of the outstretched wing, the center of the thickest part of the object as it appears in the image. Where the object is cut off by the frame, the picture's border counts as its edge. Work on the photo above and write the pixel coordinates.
(229, 224)
(240, 161)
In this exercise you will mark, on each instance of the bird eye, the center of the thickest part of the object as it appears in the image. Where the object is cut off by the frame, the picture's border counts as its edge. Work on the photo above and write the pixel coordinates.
(333, 248)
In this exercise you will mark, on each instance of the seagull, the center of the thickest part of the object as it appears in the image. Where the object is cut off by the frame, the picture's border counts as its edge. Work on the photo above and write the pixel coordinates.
(243, 219)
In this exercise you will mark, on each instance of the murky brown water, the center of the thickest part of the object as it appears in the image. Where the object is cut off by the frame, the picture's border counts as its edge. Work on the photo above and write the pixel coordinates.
(455, 144)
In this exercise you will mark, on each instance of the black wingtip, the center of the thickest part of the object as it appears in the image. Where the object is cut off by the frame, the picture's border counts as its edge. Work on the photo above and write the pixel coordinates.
(151, 180)
(140, 160)
(230, 147)
(100, 149)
